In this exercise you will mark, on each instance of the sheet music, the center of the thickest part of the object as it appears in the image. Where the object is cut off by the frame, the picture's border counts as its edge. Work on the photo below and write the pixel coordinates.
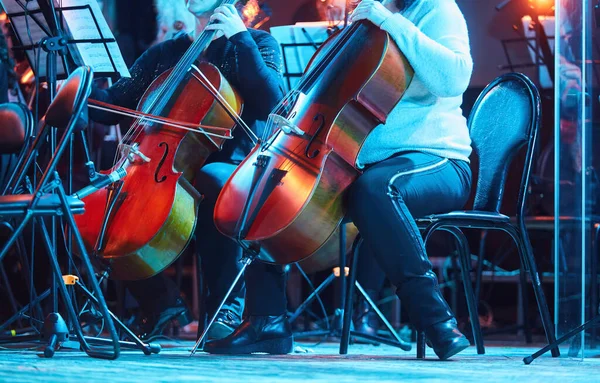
(82, 27)
(79, 23)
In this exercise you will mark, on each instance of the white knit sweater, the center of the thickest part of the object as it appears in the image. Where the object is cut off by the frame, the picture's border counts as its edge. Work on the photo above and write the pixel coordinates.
(433, 36)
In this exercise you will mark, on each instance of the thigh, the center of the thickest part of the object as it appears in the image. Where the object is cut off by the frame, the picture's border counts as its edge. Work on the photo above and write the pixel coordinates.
(211, 179)
(440, 187)
(426, 183)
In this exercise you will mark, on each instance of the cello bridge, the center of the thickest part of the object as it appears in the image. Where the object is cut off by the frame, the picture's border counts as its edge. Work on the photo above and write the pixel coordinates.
(131, 151)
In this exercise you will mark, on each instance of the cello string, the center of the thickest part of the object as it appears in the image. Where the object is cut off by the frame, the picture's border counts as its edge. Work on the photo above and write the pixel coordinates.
(288, 164)
(175, 77)
(307, 80)
(313, 72)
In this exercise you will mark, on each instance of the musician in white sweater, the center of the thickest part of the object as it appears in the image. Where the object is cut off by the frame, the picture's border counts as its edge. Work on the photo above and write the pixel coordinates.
(418, 158)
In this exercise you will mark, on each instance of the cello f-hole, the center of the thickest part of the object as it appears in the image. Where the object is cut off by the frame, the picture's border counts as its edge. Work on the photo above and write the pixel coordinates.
(160, 164)
(312, 140)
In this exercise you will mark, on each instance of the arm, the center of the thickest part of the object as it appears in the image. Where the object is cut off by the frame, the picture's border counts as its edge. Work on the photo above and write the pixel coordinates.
(260, 61)
(438, 49)
(126, 92)
(259, 70)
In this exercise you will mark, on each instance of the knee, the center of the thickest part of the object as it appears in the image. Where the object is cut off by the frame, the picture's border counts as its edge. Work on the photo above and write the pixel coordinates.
(211, 179)
(366, 191)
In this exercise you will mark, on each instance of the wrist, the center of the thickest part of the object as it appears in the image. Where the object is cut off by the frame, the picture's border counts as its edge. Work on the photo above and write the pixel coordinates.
(241, 37)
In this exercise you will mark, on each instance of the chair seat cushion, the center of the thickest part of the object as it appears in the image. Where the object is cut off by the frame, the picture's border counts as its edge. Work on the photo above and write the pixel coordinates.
(14, 205)
(468, 215)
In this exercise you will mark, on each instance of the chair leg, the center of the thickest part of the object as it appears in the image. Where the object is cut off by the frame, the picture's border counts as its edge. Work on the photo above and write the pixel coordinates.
(345, 339)
(200, 292)
(420, 345)
(464, 254)
(525, 304)
(521, 238)
(480, 261)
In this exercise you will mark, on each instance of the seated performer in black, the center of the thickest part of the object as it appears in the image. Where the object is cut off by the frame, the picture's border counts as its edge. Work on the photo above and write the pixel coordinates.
(251, 61)
(419, 157)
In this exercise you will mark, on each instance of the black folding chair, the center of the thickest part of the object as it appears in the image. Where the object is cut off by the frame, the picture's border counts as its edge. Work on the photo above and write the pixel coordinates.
(504, 119)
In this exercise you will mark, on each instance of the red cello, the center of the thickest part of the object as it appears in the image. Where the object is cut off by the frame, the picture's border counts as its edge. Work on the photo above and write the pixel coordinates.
(142, 223)
(284, 202)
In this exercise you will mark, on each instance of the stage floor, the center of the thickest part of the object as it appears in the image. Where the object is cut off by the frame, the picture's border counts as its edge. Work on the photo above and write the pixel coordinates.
(318, 364)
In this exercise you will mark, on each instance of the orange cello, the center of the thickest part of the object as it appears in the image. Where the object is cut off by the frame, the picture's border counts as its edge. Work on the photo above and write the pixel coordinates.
(142, 223)
(284, 202)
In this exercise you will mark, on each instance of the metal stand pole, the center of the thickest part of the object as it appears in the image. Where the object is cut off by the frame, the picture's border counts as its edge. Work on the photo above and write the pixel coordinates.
(246, 261)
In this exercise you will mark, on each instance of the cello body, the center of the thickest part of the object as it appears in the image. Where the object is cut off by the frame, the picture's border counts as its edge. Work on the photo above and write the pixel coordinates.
(153, 214)
(285, 201)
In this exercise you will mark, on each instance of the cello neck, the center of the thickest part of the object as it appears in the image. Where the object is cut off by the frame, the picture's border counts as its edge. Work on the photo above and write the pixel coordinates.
(183, 66)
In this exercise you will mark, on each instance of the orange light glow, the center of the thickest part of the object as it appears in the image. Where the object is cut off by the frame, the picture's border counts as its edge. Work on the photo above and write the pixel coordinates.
(27, 77)
(542, 6)
(3, 17)
(250, 11)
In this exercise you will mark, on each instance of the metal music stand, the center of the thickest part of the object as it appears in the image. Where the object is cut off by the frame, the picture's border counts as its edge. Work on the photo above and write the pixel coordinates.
(40, 30)
(45, 17)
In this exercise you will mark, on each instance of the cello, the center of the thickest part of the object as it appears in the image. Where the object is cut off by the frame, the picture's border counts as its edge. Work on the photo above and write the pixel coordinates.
(144, 221)
(285, 200)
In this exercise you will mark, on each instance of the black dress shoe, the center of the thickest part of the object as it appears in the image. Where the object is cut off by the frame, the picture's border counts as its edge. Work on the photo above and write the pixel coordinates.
(267, 334)
(365, 319)
(445, 339)
(154, 325)
(225, 323)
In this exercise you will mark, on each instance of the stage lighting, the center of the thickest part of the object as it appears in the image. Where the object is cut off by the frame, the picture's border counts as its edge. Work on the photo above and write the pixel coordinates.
(542, 7)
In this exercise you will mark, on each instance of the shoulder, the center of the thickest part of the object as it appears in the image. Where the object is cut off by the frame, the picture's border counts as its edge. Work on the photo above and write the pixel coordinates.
(422, 8)
(440, 14)
(179, 42)
(263, 38)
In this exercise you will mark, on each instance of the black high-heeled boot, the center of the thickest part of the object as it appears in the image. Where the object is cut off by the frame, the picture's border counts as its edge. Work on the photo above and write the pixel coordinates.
(445, 339)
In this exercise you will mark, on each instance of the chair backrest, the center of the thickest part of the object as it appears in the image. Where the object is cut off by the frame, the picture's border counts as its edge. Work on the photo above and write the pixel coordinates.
(16, 132)
(67, 113)
(71, 100)
(15, 127)
(504, 118)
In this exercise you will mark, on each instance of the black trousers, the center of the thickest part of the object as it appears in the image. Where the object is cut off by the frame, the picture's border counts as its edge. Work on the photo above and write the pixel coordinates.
(220, 263)
(423, 184)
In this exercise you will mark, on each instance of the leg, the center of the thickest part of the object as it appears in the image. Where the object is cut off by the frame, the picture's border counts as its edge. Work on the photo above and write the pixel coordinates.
(218, 254)
(420, 184)
(265, 327)
(160, 302)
